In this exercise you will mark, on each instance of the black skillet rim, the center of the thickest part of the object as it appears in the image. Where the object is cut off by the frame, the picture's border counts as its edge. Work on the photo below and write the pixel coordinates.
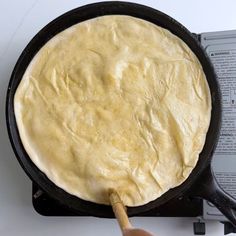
(84, 13)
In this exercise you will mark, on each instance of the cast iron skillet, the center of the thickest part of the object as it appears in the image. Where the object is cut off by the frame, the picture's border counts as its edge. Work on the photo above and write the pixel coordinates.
(201, 179)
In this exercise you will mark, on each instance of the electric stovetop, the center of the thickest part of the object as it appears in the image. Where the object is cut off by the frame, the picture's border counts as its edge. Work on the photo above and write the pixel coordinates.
(221, 48)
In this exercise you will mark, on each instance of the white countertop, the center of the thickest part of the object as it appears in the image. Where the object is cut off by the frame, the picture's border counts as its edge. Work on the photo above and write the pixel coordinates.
(19, 22)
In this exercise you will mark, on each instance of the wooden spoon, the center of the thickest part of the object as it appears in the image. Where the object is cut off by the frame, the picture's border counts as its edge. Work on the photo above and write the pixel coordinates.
(122, 218)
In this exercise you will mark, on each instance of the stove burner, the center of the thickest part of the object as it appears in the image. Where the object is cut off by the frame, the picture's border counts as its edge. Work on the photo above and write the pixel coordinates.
(181, 207)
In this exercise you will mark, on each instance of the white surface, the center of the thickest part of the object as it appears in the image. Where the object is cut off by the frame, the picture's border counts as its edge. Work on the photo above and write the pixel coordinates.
(19, 22)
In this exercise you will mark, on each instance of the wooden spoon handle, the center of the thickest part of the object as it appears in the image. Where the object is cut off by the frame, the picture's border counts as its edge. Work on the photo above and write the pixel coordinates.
(119, 211)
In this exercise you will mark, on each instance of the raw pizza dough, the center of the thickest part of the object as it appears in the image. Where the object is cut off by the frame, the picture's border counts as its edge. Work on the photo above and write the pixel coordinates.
(114, 102)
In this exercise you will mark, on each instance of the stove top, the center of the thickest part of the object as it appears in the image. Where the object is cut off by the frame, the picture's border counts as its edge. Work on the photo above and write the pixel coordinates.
(221, 48)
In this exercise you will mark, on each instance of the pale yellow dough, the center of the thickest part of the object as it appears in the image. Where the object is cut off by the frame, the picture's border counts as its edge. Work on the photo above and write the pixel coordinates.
(114, 102)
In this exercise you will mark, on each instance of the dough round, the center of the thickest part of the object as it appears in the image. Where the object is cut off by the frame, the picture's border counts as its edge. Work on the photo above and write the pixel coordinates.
(114, 102)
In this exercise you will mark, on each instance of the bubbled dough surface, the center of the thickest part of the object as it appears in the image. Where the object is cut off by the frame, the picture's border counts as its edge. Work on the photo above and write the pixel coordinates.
(114, 102)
